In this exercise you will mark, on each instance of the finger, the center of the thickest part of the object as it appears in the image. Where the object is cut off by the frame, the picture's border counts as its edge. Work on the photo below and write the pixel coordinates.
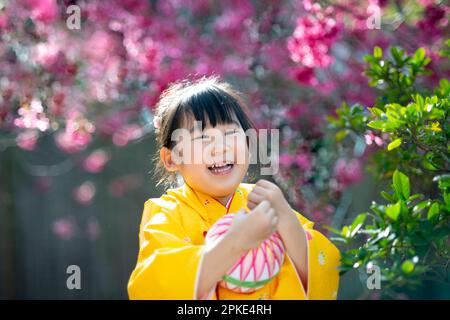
(275, 219)
(263, 206)
(259, 190)
(275, 222)
(254, 197)
(271, 213)
(264, 183)
(251, 205)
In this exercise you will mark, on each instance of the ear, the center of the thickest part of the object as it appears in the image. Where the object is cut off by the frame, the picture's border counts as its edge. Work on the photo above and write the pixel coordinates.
(166, 158)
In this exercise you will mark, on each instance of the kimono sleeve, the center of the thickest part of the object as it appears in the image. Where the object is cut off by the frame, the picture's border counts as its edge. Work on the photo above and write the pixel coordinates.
(323, 261)
(168, 264)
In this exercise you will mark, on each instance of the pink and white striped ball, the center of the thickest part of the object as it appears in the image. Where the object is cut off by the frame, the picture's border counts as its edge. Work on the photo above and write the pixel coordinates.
(256, 267)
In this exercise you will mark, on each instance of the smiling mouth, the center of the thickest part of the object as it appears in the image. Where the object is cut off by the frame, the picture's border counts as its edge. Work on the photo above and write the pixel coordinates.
(221, 168)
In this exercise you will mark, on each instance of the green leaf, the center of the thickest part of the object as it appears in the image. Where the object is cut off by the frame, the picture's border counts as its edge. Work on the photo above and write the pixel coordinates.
(433, 211)
(377, 124)
(376, 111)
(345, 233)
(428, 165)
(397, 56)
(387, 196)
(357, 224)
(447, 200)
(377, 52)
(394, 144)
(401, 185)
(443, 180)
(368, 58)
(333, 230)
(408, 266)
(421, 205)
(415, 196)
(341, 134)
(419, 54)
(393, 210)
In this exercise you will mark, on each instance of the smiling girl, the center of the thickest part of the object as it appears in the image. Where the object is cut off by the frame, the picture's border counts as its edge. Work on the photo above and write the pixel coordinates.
(174, 262)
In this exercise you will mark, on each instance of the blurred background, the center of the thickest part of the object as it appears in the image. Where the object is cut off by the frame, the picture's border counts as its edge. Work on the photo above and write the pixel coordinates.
(78, 85)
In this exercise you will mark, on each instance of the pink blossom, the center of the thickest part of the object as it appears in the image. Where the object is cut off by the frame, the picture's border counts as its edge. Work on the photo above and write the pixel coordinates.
(232, 19)
(303, 161)
(119, 186)
(275, 55)
(348, 172)
(100, 45)
(93, 228)
(318, 215)
(111, 124)
(43, 184)
(311, 6)
(126, 134)
(311, 41)
(64, 228)
(150, 56)
(56, 104)
(43, 10)
(286, 159)
(96, 161)
(76, 136)
(295, 111)
(27, 140)
(46, 54)
(434, 21)
(329, 209)
(370, 137)
(236, 65)
(149, 99)
(3, 20)
(304, 75)
(85, 193)
(426, 3)
(32, 116)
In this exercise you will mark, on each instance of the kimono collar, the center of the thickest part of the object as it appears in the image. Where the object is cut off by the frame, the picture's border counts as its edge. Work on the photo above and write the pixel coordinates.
(211, 209)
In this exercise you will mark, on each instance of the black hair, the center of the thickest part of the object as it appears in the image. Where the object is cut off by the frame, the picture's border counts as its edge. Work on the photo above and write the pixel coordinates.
(208, 100)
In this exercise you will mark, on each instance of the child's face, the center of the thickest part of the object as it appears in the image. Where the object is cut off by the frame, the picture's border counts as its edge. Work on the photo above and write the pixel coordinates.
(215, 160)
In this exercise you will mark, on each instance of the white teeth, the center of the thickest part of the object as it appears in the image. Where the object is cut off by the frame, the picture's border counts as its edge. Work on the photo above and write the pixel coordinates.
(221, 168)
(220, 165)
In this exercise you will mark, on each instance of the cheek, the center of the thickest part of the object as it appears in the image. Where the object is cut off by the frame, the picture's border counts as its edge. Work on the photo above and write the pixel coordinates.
(193, 172)
(240, 150)
(188, 153)
(237, 142)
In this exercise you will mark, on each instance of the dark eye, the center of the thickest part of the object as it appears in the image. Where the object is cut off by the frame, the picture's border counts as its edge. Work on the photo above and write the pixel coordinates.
(201, 137)
(230, 132)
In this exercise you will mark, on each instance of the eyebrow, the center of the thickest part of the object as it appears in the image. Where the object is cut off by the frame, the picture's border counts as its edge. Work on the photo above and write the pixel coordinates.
(233, 122)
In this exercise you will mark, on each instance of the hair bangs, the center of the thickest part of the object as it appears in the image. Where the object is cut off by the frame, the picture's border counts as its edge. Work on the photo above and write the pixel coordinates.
(214, 106)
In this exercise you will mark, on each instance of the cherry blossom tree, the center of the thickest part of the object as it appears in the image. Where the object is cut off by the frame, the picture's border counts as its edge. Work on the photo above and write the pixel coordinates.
(296, 60)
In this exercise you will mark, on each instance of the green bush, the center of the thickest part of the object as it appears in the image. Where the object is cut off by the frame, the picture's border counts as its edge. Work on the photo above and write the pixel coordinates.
(408, 237)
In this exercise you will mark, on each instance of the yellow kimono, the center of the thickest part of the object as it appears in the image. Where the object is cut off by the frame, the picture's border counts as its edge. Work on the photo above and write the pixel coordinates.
(171, 242)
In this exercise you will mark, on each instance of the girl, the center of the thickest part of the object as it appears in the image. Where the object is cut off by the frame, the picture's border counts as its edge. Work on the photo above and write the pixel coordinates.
(173, 261)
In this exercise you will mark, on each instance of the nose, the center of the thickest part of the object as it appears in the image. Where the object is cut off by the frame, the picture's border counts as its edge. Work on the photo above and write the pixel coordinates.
(220, 148)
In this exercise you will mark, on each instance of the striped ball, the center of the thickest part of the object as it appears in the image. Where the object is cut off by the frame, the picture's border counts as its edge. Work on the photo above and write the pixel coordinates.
(256, 267)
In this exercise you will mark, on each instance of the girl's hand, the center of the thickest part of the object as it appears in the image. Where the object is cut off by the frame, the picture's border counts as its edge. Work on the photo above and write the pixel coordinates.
(289, 227)
(250, 229)
(266, 190)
